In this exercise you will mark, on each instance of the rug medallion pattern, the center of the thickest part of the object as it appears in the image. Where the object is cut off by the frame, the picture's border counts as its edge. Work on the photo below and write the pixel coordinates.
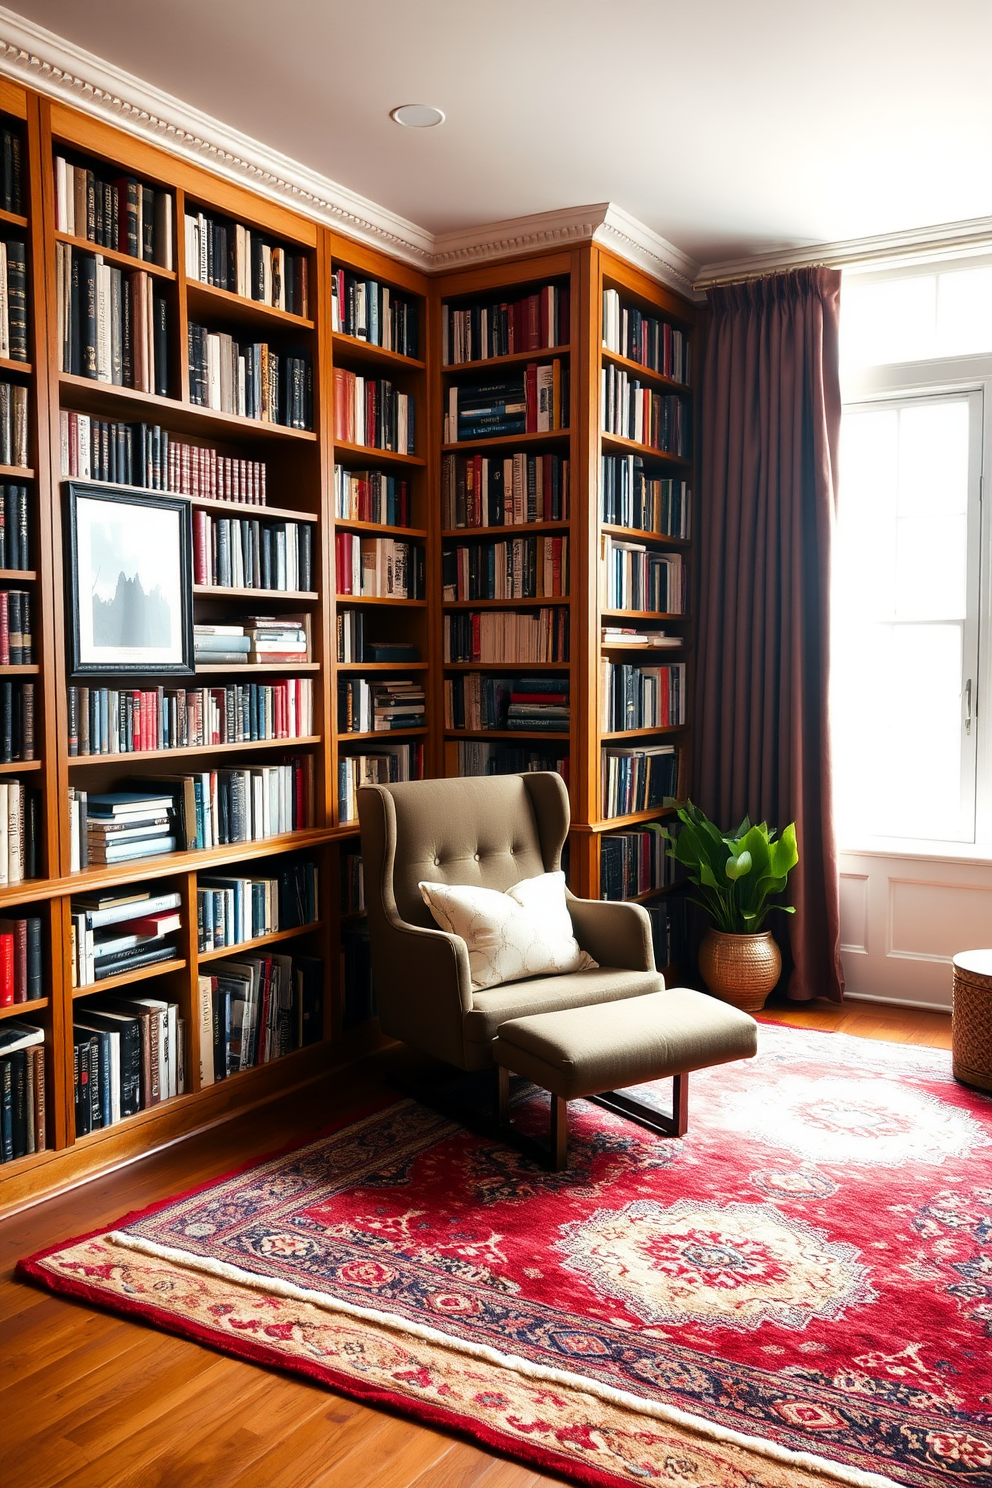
(811, 1265)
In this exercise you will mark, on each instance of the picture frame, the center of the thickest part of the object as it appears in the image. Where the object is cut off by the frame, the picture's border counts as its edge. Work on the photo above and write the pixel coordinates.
(129, 582)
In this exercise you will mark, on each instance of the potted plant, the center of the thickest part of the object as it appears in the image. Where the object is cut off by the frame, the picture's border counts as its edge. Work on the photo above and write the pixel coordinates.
(736, 877)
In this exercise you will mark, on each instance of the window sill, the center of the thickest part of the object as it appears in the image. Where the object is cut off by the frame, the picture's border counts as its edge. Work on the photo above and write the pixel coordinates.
(979, 853)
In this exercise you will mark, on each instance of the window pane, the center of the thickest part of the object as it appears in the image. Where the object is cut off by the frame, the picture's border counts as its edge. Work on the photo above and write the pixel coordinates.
(891, 321)
(964, 312)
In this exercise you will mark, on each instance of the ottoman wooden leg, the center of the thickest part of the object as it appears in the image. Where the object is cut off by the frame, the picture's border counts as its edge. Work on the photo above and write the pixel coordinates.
(675, 1125)
(559, 1133)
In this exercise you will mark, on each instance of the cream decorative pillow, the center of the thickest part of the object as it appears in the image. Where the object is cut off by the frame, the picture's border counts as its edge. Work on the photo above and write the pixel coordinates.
(525, 932)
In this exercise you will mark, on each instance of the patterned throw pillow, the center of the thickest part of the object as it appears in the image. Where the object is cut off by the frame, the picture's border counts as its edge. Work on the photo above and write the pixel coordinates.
(525, 932)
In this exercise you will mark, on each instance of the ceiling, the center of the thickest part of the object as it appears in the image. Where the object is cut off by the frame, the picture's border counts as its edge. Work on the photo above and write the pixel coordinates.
(729, 129)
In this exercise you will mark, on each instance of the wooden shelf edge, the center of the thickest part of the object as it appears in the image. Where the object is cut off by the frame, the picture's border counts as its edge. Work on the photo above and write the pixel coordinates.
(125, 978)
(75, 761)
(274, 937)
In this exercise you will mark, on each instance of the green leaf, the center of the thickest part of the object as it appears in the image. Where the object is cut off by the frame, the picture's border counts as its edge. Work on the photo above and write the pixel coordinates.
(738, 867)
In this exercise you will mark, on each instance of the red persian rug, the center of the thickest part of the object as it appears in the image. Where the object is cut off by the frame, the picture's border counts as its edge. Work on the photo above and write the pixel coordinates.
(799, 1289)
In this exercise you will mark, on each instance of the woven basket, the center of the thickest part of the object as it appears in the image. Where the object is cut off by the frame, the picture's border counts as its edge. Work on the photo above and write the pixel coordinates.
(740, 969)
(971, 1022)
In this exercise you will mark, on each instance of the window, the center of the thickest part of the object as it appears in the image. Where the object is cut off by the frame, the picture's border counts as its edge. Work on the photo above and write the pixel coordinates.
(907, 617)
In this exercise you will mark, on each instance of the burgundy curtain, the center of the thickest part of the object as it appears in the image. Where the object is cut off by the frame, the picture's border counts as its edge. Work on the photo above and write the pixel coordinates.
(770, 424)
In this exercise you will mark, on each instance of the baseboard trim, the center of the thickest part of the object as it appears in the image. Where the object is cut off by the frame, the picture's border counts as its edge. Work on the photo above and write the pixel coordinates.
(903, 1002)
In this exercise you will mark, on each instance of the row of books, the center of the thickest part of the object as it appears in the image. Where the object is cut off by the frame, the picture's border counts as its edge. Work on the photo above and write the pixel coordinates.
(11, 194)
(121, 932)
(107, 720)
(670, 931)
(20, 831)
(148, 455)
(634, 697)
(356, 977)
(476, 757)
(638, 779)
(372, 412)
(352, 883)
(20, 961)
(371, 496)
(634, 863)
(383, 766)
(190, 812)
(15, 528)
(22, 1090)
(535, 322)
(635, 577)
(128, 1053)
(507, 636)
(377, 707)
(355, 643)
(232, 909)
(121, 213)
(16, 721)
(373, 312)
(478, 701)
(257, 640)
(256, 1009)
(531, 400)
(232, 257)
(112, 325)
(13, 300)
(519, 568)
(249, 378)
(628, 497)
(247, 553)
(13, 424)
(477, 491)
(654, 343)
(635, 411)
(16, 627)
(381, 567)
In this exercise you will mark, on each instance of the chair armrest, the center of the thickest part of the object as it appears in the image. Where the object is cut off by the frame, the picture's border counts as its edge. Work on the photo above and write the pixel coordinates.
(615, 933)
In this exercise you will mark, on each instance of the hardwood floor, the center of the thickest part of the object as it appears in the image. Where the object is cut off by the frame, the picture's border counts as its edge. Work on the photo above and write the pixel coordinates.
(93, 1401)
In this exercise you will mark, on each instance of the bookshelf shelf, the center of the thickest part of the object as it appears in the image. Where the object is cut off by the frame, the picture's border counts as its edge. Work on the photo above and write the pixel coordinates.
(216, 591)
(22, 669)
(17, 575)
(508, 441)
(121, 260)
(209, 300)
(619, 823)
(344, 737)
(125, 978)
(646, 374)
(273, 938)
(377, 599)
(641, 615)
(550, 734)
(16, 472)
(505, 666)
(382, 666)
(90, 879)
(134, 757)
(382, 529)
(18, 1009)
(521, 529)
(19, 767)
(369, 455)
(250, 669)
(12, 364)
(512, 359)
(350, 348)
(12, 219)
(503, 604)
(631, 447)
(644, 733)
(106, 400)
(635, 534)
(246, 509)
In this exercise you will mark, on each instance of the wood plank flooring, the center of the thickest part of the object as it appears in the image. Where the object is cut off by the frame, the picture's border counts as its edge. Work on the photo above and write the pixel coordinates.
(93, 1401)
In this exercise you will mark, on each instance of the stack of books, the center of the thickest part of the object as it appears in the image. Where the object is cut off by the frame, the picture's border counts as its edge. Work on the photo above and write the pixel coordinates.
(371, 496)
(639, 779)
(20, 961)
(256, 1009)
(128, 1054)
(121, 932)
(16, 629)
(15, 538)
(635, 697)
(378, 566)
(625, 635)
(629, 498)
(123, 214)
(389, 763)
(232, 910)
(112, 326)
(373, 312)
(214, 645)
(13, 300)
(533, 400)
(278, 638)
(634, 863)
(635, 577)
(20, 831)
(539, 703)
(642, 338)
(507, 636)
(117, 826)
(22, 1090)
(232, 257)
(250, 379)
(637, 412)
(479, 491)
(16, 721)
(372, 412)
(245, 553)
(10, 172)
(519, 568)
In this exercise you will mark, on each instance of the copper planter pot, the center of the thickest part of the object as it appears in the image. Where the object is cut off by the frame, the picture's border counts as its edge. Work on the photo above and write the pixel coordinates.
(740, 969)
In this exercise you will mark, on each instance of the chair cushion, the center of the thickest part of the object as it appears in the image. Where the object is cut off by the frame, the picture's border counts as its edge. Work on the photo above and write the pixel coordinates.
(524, 932)
(553, 994)
(586, 1050)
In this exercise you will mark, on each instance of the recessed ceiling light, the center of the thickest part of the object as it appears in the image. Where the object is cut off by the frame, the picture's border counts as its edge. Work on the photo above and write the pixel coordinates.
(417, 115)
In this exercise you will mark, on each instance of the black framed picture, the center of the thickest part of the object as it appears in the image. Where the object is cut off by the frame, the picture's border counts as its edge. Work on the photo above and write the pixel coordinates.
(129, 582)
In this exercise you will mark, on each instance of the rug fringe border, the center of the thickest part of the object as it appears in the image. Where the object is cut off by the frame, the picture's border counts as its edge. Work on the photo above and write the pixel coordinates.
(637, 1404)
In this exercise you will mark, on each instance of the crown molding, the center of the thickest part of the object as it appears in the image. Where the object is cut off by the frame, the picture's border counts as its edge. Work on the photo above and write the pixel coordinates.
(39, 59)
(602, 222)
(917, 244)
